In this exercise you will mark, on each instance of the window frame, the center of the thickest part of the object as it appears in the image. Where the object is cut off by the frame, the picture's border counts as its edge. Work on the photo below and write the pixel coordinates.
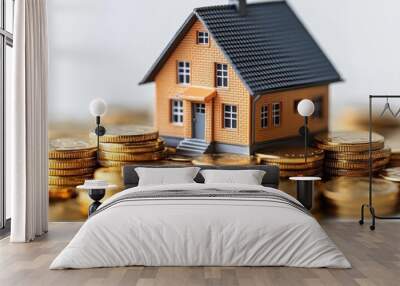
(264, 116)
(183, 71)
(275, 115)
(201, 39)
(224, 76)
(232, 118)
(318, 107)
(176, 110)
(6, 39)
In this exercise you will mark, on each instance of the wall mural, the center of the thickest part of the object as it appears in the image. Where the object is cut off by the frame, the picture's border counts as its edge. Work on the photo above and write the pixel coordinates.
(233, 94)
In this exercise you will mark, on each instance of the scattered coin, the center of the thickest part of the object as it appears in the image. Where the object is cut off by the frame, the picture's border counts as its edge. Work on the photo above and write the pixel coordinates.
(224, 159)
(290, 154)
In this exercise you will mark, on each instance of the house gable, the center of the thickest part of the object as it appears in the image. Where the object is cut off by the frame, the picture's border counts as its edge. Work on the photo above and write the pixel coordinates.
(202, 59)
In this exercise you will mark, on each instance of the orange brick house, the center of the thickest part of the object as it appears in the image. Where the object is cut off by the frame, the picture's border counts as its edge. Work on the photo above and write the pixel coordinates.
(231, 78)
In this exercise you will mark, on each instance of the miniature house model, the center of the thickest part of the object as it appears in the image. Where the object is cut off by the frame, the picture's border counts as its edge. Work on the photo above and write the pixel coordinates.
(231, 78)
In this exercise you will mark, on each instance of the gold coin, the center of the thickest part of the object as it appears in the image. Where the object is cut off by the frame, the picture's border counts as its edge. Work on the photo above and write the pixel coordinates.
(72, 163)
(61, 192)
(180, 158)
(70, 172)
(393, 163)
(348, 141)
(290, 154)
(296, 173)
(132, 156)
(346, 213)
(351, 165)
(395, 154)
(303, 166)
(349, 173)
(224, 159)
(391, 174)
(70, 148)
(68, 180)
(356, 202)
(128, 134)
(355, 156)
(349, 188)
(137, 147)
(113, 175)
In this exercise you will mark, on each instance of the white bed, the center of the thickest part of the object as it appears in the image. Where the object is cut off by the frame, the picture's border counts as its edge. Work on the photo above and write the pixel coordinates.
(209, 230)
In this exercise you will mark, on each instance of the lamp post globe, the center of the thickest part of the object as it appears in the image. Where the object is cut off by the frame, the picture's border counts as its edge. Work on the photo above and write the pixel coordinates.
(98, 107)
(305, 108)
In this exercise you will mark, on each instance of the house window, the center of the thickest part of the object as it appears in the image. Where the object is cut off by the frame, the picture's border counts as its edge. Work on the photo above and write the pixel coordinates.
(200, 108)
(230, 116)
(264, 116)
(177, 111)
(318, 106)
(202, 38)
(183, 72)
(276, 114)
(295, 103)
(221, 73)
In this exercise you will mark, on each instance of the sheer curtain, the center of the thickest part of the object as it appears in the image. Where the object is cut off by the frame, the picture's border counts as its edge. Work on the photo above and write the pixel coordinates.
(26, 129)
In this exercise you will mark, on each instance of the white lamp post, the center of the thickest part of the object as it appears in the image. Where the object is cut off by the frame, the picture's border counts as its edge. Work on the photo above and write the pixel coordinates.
(305, 108)
(98, 107)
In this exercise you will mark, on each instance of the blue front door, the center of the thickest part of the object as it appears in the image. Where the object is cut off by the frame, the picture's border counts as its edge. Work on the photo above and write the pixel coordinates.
(198, 126)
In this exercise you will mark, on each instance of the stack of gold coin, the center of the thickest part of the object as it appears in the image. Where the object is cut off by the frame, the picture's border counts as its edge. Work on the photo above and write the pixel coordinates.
(71, 161)
(127, 144)
(344, 196)
(292, 161)
(394, 158)
(347, 153)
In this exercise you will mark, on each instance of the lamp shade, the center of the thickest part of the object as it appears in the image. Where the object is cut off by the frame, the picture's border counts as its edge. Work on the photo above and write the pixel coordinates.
(305, 107)
(98, 107)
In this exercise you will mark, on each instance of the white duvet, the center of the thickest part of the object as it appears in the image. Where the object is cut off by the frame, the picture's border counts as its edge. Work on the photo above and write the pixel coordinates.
(200, 231)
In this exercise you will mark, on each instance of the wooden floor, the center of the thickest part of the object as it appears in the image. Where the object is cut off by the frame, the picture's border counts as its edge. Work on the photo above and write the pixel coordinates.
(375, 257)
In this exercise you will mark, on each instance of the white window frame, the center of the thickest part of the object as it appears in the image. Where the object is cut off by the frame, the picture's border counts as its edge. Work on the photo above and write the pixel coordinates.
(276, 113)
(177, 111)
(183, 72)
(264, 116)
(203, 38)
(230, 116)
(221, 74)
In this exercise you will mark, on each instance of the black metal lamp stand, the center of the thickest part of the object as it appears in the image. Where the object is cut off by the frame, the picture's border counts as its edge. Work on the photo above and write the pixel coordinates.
(305, 138)
(99, 131)
(370, 201)
(96, 195)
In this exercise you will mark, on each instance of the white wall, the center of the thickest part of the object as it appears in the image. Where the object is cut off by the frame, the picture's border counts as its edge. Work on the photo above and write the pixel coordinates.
(102, 48)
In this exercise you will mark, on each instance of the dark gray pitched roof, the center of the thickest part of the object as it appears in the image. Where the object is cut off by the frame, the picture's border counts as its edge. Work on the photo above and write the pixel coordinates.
(269, 47)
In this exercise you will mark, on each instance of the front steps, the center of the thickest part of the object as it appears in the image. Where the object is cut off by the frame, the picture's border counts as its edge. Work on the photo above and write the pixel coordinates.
(193, 146)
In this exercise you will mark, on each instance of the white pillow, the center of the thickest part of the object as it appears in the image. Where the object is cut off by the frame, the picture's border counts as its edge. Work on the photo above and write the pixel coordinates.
(248, 177)
(166, 176)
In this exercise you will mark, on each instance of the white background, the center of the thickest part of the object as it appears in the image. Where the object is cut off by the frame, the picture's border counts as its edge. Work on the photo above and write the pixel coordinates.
(102, 48)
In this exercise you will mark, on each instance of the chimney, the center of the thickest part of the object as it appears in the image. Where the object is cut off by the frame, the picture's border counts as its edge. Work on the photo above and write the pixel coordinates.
(240, 6)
